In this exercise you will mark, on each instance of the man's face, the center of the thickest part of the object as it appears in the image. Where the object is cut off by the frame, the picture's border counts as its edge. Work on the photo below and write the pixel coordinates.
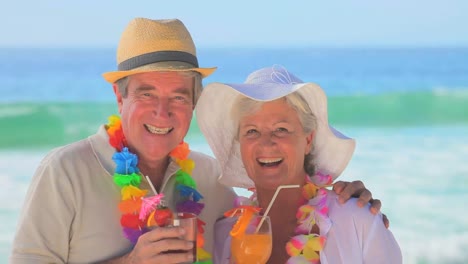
(156, 113)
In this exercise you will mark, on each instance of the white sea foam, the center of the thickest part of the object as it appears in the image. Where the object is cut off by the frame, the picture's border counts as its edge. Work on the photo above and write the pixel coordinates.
(422, 180)
(6, 111)
(420, 174)
(16, 169)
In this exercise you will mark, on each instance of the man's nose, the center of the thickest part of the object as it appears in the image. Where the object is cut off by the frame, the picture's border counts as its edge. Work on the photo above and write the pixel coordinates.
(162, 109)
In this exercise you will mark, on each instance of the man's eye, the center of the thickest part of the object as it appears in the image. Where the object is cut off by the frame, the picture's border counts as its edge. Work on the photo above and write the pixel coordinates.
(147, 94)
(180, 99)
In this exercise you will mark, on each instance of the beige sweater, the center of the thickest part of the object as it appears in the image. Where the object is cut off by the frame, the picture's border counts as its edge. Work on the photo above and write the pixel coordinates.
(70, 212)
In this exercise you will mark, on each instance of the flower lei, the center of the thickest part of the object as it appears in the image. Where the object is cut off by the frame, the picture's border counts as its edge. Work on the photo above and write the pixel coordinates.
(139, 211)
(304, 246)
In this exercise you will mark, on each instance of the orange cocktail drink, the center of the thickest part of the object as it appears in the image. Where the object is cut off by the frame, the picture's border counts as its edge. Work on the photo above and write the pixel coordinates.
(251, 248)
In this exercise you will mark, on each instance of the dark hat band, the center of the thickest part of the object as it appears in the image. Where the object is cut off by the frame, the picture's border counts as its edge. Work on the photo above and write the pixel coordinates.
(158, 56)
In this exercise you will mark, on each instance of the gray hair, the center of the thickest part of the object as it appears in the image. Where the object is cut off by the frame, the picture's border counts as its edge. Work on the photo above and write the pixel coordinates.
(122, 84)
(243, 106)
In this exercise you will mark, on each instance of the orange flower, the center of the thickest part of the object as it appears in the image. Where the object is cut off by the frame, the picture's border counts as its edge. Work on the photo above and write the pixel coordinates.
(130, 206)
(181, 151)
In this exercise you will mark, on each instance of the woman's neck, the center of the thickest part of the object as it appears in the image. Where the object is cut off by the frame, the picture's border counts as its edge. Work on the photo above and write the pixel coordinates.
(283, 218)
(285, 198)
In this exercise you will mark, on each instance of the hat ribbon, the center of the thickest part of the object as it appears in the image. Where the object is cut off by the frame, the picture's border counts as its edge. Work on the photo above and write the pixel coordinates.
(157, 56)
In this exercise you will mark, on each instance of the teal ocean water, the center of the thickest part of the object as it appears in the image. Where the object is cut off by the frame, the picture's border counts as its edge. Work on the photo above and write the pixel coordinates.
(39, 124)
(407, 109)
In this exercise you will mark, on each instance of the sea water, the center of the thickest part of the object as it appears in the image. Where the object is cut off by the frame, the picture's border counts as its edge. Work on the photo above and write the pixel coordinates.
(406, 108)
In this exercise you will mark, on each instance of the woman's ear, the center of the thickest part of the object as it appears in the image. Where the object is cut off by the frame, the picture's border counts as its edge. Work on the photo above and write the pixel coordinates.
(309, 142)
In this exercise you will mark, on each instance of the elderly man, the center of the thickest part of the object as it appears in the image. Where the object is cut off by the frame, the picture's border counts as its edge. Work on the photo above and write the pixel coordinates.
(86, 199)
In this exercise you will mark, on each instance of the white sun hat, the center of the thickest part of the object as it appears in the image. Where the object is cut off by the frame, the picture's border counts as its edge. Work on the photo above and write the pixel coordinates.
(331, 150)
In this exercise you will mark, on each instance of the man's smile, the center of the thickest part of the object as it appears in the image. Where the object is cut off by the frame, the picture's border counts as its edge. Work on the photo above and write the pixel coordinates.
(158, 130)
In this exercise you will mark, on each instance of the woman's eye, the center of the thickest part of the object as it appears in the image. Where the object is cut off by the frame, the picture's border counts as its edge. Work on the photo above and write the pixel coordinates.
(281, 131)
(251, 133)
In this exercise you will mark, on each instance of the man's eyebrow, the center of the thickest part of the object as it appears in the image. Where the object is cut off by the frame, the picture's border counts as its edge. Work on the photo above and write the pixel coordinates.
(144, 88)
(182, 90)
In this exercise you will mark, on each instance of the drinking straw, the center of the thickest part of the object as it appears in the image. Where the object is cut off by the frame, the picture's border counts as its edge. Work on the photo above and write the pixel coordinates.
(272, 201)
(151, 185)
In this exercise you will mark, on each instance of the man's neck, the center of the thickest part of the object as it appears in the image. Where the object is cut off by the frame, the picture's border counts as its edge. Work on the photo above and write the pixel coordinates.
(155, 170)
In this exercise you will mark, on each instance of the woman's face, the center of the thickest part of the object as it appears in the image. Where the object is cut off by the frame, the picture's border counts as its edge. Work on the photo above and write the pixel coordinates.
(273, 145)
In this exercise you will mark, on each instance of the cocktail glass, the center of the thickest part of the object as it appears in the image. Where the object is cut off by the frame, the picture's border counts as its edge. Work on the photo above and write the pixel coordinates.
(254, 246)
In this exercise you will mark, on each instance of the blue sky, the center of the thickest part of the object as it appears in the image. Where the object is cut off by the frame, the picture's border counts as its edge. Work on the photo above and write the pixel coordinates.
(218, 23)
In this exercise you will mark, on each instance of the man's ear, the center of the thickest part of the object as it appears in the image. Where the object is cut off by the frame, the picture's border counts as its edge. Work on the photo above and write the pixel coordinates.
(118, 96)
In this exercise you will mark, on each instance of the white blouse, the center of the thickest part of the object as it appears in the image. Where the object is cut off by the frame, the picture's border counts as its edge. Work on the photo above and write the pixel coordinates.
(355, 236)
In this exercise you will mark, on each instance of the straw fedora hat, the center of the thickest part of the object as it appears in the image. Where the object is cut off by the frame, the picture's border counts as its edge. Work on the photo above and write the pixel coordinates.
(155, 45)
(331, 150)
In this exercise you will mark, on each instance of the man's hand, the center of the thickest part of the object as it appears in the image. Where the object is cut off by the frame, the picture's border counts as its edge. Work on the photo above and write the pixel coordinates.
(356, 189)
(153, 247)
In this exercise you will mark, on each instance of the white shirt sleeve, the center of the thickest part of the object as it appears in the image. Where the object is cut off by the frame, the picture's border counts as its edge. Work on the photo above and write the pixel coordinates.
(358, 236)
(379, 245)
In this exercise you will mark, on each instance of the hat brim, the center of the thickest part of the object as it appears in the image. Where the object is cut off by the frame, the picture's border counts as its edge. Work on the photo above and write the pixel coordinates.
(332, 150)
(112, 77)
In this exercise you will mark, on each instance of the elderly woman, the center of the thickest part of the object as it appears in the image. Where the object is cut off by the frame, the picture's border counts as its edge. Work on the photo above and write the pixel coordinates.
(272, 131)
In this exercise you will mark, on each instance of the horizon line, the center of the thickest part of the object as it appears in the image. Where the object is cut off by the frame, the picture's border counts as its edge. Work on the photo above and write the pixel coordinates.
(203, 47)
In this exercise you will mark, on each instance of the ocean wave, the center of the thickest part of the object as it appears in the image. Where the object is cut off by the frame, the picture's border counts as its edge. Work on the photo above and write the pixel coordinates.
(425, 108)
(49, 124)
(453, 91)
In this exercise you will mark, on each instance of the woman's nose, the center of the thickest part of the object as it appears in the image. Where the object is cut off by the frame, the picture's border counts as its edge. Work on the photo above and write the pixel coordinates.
(267, 139)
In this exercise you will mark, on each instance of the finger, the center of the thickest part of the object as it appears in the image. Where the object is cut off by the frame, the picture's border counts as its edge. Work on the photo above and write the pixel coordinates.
(375, 206)
(154, 244)
(385, 221)
(171, 244)
(339, 186)
(160, 233)
(354, 188)
(364, 198)
(182, 257)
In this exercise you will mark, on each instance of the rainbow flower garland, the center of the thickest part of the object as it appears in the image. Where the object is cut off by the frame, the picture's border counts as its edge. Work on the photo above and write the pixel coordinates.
(139, 211)
(304, 246)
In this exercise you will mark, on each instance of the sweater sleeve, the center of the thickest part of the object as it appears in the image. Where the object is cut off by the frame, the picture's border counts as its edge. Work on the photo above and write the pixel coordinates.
(44, 227)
